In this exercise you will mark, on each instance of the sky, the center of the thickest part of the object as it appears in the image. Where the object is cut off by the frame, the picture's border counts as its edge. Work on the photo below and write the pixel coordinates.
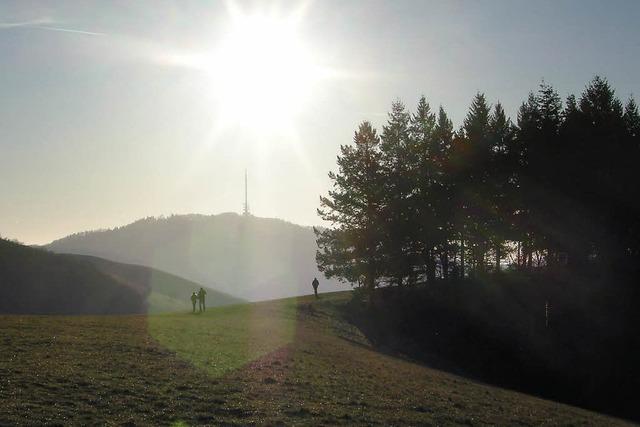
(114, 111)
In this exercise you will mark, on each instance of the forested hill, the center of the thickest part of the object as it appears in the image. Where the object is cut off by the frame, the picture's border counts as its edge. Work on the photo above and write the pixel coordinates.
(248, 257)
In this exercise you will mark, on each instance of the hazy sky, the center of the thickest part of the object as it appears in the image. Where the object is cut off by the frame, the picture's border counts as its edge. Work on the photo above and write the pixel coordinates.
(112, 111)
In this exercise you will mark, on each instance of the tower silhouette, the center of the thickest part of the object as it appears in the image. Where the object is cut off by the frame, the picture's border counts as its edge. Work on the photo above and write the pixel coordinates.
(245, 210)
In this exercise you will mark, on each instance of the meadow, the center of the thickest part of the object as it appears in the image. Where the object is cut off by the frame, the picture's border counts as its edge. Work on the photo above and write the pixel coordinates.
(292, 361)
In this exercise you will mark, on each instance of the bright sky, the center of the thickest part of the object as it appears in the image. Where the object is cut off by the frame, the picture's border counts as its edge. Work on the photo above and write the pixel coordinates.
(112, 111)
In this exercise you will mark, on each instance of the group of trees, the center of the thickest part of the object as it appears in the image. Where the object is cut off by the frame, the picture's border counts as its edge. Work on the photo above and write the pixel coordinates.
(421, 201)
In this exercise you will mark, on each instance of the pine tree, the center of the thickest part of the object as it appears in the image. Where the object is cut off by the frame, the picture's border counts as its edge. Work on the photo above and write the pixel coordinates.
(457, 179)
(350, 249)
(599, 191)
(443, 188)
(501, 175)
(632, 118)
(546, 160)
(398, 160)
(629, 161)
(528, 136)
(425, 173)
(477, 134)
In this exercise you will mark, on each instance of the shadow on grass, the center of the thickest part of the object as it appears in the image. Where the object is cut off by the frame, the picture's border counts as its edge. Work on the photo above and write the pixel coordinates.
(494, 331)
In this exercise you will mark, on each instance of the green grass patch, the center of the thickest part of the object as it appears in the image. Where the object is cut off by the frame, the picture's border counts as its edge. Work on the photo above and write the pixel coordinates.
(225, 338)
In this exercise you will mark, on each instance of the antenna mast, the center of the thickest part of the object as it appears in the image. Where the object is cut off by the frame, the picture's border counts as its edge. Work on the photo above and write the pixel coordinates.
(245, 211)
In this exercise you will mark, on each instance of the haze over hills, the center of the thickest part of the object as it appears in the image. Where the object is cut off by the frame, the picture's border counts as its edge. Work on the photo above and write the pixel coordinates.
(163, 292)
(35, 281)
(249, 257)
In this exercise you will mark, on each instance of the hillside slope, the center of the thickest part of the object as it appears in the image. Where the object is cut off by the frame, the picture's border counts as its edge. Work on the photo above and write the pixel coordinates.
(279, 362)
(37, 281)
(248, 257)
(164, 292)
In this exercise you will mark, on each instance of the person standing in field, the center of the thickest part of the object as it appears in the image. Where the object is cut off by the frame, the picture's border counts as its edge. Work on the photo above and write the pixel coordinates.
(315, 285)
(201, 294)
(194, 299)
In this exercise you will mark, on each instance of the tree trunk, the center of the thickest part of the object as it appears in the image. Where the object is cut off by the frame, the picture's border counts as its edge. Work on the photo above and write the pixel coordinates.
(369, 283)
(444, 260)
(462, 258)
(431, 267)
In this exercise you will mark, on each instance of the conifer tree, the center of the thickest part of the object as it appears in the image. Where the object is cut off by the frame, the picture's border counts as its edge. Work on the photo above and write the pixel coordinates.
(350, 248)
(457, 178)
(425, 173)
(599, 192)
(632, 118)
(443, 188)
(546, 160)
(629, 161)
(527, 134)
(477, 135)
(398, 160)
(501, 175)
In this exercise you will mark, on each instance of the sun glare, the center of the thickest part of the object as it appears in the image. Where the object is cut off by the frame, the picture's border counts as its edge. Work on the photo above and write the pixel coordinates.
(261, 73)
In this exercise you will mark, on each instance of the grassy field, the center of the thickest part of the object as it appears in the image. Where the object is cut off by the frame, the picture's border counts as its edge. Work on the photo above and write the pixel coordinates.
(289, 361)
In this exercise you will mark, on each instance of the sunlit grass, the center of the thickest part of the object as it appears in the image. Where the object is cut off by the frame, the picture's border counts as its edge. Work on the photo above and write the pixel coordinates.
(288, 362)
(226, 338)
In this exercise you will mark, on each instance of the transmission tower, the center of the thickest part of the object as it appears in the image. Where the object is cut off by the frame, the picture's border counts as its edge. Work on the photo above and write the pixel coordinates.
(245, 210)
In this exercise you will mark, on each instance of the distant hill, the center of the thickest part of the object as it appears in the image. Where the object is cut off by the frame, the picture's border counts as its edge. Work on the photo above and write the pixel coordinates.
(248, 257)
(35, 281)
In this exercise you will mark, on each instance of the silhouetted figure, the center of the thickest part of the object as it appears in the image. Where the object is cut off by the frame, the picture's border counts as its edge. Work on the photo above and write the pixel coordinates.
(315, 285)
(201, 294)
(194, 299)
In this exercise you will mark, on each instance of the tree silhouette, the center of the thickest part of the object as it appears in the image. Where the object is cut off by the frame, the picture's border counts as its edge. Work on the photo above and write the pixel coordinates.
(423, 202)
(427, 172)
(351, 250)
(398, 161)
(473, 234)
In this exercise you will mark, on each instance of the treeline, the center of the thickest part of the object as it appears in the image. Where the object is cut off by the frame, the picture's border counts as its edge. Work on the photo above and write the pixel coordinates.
(421, 201)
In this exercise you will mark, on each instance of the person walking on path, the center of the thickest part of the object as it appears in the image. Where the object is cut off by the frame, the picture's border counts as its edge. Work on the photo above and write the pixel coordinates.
(194, 299)
(315, 285)
(201, 294)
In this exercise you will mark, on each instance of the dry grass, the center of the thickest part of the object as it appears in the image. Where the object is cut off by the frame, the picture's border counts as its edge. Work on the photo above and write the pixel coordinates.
(282, 362)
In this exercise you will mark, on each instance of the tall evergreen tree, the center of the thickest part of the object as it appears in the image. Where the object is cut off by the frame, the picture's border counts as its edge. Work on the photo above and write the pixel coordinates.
(599, 192)
(630, 160)
(397, 158)
(457, 179)
(443, 188)
(351, 248)
(528, 136)
(501, 180)
(425, 173)
(546, 161)
(632, 118)
(476, 180)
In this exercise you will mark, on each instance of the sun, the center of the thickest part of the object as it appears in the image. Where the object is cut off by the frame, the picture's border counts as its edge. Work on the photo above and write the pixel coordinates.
(261, 73)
